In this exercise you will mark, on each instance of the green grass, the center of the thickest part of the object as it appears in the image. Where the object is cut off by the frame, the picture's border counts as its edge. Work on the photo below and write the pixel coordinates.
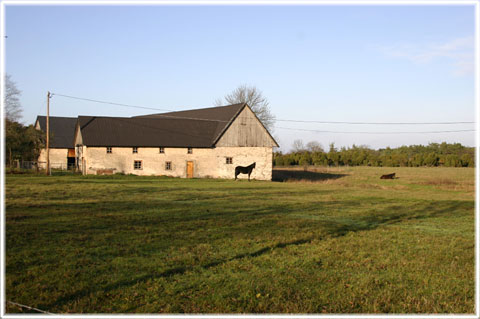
(325, 241)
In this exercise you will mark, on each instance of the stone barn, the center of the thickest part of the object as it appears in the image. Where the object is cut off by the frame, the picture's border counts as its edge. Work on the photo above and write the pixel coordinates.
(62, 150)
(207, 142)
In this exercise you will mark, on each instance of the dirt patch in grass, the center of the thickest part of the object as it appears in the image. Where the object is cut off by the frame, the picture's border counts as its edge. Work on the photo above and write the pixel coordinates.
(438, 182)
(449, 184)
(385, 187)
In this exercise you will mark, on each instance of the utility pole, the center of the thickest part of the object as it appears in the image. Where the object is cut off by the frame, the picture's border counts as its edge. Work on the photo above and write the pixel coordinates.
(48, 133)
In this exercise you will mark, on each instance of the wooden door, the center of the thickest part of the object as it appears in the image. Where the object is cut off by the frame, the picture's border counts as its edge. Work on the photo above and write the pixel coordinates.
(189, 169)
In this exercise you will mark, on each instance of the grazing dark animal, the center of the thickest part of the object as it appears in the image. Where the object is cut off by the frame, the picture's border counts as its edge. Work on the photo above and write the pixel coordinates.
(388, 176)
(244, 170)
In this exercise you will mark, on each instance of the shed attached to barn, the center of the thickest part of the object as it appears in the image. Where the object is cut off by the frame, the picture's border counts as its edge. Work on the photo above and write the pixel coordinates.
(207, 142)
(62, 151)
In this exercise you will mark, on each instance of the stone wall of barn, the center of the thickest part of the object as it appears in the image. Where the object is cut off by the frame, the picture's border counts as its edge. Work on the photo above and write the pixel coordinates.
(207, 162)
(58, 158)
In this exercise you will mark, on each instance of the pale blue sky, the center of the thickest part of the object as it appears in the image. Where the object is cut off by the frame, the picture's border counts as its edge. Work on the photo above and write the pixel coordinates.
(327, 63)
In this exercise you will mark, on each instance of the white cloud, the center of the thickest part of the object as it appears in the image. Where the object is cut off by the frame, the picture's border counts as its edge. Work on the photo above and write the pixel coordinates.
(460, 51)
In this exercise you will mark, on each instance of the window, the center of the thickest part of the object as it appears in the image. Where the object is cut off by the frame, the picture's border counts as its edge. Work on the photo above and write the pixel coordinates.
(168, 166)
(109, 150)
(229, 160)
(190, 150)
(137, 164)
(161, 150)
(135, 150)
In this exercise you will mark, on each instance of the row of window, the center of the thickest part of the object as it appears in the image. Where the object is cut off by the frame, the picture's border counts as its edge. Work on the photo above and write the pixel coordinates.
(168, 165)
(161, 150)
(138, 165)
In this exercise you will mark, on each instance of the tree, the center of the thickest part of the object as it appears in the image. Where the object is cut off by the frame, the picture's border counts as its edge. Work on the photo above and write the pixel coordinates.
(332, 147)
(467, 160)
(314, 146)
(279, 160)
(22, 142)
(431, 159)
(255, 99)
(305, 159)
(34, 141)
(13, 108)
(298, 146)
(13, 140)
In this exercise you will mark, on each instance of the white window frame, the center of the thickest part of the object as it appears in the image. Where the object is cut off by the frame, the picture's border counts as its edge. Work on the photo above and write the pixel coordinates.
(190, 150)
(135, 150)
(229, 160)
(168, 166)
(109, 150)
(161, 150)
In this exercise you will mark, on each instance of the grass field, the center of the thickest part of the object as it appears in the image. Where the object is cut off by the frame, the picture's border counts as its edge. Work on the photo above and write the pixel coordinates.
(324, 241)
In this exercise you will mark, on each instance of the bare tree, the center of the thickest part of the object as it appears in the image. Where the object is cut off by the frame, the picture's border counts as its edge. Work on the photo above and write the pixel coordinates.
(13, 108)
(255, 99)
(298, 146)
(314, 146)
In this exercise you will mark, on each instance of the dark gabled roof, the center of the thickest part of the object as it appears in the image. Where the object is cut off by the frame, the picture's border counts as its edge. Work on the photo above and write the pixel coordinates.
(192, 128)
(223, 115)
(62, 130)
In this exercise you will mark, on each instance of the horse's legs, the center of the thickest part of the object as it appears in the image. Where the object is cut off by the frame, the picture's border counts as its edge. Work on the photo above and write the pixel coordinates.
(249, 176)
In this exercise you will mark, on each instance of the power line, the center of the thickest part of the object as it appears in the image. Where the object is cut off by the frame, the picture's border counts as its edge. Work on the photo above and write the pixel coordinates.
(340, 132)
(282, 120)
(375, 123)
(112, 103)
(141, 107)
(278, 120)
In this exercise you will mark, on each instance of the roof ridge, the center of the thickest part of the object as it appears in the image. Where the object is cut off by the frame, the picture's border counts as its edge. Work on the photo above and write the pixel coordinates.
(204, 108)
(58, 117)
(191, 110)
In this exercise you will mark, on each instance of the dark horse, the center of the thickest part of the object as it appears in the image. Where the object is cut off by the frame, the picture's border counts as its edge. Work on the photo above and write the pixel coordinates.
(244, 170)
(388, 176)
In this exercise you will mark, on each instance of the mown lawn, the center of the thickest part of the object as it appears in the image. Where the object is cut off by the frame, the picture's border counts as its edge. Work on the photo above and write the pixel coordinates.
(338, 241)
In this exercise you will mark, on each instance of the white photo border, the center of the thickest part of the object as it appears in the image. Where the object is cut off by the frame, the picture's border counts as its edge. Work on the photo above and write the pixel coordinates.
(474, 3)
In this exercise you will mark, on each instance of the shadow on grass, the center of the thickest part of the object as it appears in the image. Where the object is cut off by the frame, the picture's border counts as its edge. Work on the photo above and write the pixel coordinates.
(174, 271)
(331, 229)
(284, 175)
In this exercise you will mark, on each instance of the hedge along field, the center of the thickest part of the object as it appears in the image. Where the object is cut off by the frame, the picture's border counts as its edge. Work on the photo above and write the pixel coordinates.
(322, 241)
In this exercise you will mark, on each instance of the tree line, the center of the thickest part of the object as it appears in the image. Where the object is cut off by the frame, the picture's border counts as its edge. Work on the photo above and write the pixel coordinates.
(22, 142)
(433, 154)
